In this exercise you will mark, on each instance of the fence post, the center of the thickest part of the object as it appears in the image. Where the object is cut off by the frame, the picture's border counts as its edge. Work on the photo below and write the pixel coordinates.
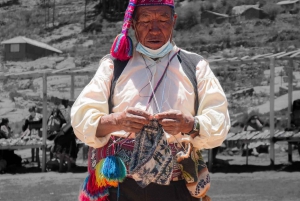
(272, 99)
(44, 121)
(290, 100)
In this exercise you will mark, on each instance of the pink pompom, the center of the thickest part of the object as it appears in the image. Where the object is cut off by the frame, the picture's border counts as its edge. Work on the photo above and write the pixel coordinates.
(122, 47)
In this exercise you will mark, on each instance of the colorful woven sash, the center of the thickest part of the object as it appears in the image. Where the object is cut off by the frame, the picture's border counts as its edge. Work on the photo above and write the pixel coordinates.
(147, 158)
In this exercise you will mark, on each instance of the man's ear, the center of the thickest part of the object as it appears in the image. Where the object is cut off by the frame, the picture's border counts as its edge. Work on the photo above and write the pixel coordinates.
(174, 19)
(174, 22)
(132, 24)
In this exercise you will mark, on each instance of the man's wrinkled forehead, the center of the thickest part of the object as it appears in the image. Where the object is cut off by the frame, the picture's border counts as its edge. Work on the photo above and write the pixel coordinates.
(150, 10)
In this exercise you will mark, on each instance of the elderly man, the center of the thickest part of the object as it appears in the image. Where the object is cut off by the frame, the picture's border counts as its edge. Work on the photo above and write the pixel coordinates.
(145, 104)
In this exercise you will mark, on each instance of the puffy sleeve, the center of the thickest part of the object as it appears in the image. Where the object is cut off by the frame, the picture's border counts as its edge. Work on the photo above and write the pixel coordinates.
(212, 113)
(92, 104)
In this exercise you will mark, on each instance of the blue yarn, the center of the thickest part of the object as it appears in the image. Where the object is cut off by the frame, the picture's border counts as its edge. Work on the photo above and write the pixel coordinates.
(122, 169)
(85, 182)
(118, 42)
(131, 4)
(120, 36)
(110, 168)
(130, 52)
(113, 168)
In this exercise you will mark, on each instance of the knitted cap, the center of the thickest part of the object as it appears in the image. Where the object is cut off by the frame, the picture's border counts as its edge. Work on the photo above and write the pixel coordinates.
(122, 47)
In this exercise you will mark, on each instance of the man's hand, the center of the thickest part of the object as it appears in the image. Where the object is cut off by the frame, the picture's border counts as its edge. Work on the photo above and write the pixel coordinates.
(132, 119)
(174, 121)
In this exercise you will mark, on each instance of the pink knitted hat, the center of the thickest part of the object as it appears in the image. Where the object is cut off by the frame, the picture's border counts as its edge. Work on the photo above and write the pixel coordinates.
(122, 47)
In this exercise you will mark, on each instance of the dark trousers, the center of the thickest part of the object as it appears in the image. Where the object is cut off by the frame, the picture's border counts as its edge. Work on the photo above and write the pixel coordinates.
(129, 190)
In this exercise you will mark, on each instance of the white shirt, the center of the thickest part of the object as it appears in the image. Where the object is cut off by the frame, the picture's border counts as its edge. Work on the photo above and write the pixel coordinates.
(133, 90)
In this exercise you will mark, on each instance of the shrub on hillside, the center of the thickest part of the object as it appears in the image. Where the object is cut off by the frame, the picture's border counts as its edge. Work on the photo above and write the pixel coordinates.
(222, 6)
(21, 23)
(238, 30)
(224, 36)
(188, 16)
(12, 94)
(272, 10)
(207, 5)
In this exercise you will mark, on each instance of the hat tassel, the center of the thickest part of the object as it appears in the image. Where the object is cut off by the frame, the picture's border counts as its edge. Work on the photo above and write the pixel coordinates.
(122, 47)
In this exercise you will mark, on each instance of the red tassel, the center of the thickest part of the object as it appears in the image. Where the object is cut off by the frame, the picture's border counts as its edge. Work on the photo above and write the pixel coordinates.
(83, 197)
(90, 186)
(122, 48)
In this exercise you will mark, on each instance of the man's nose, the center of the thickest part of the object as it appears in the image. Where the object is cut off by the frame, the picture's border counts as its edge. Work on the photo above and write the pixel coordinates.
(154, 26)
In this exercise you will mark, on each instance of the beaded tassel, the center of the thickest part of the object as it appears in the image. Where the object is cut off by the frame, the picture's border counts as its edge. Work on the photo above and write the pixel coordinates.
(107, 173)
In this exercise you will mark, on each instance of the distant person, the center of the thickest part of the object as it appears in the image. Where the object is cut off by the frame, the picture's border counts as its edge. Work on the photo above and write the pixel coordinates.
(55, 122)
(295, 121)
(65, 147)
(253, 124)
(33, 123)
(34, 117)
(4, 127)
(8, 157)
(66, 110)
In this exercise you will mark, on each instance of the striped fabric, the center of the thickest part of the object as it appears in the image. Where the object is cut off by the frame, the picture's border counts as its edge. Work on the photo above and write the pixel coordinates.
(124, 151)
(155, 3)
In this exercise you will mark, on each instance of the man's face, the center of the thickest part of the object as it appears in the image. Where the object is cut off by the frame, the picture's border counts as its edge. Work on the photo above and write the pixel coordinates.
(154, 25)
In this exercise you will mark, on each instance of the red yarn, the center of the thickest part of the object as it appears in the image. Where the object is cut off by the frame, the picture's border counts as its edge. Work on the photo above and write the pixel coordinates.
(83, 197)
(122, 47)
(91, 186)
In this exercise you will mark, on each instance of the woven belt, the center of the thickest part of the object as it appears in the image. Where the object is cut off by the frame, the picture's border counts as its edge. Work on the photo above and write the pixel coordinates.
(178, 178)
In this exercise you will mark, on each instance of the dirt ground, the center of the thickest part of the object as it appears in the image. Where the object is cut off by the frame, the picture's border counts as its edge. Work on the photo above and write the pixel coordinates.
(231, 179)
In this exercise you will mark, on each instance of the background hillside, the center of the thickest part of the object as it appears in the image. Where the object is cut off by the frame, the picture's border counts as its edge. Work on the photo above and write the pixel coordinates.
(62, 26)
(85, 30)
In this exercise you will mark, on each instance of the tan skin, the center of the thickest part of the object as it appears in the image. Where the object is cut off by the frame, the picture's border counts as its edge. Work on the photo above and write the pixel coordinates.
(153, 26)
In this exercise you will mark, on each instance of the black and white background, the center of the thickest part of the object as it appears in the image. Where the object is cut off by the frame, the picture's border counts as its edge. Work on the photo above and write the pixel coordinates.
(67, 38)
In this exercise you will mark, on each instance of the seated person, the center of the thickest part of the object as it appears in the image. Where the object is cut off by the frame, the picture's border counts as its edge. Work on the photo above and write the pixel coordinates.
(5, 129)
(295, 122)
(55, 122)
(253, 124)
(8, 156)
(65, 147)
